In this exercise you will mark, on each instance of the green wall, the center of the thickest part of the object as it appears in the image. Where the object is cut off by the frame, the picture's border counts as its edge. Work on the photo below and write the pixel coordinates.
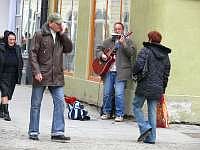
(178, 21)
(82, 39)
(78, 85)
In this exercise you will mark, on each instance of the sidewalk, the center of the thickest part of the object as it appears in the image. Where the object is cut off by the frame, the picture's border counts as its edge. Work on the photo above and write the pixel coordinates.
(95, 134)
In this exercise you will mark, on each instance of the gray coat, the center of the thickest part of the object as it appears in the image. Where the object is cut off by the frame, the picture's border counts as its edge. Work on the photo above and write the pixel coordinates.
(123, 57)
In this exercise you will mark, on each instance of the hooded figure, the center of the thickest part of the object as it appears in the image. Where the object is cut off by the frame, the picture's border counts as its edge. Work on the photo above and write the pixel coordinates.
(11, 65)
(152, 86)
(155, 82)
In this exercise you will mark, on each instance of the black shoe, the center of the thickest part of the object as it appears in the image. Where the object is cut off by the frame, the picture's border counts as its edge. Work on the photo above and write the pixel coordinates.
(1, 111)
(60, 138)
(34, 137)
(1, 114)
(149, 142)
(143, 136)
(7, 117)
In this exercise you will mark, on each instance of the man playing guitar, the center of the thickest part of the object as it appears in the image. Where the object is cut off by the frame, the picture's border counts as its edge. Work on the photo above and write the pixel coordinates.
(118, 72)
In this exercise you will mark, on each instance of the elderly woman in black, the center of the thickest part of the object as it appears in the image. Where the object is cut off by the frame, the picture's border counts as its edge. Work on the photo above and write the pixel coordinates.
(11, 65)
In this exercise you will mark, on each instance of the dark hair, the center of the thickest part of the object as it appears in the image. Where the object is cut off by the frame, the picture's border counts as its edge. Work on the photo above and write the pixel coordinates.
(120, 24)
(155, 36)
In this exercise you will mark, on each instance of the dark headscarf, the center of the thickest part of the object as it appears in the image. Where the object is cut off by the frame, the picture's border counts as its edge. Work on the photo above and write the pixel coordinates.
(6, 36)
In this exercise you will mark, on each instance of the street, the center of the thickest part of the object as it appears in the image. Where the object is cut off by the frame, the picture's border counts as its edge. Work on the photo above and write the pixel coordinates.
(95, 134)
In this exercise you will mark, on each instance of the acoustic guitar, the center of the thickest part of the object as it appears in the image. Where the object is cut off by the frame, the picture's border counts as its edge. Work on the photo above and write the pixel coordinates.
(100, 67)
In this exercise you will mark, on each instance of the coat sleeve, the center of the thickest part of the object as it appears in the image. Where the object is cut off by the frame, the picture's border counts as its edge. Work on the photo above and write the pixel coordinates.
(129, 48)
(166, 73)
(1, 57)
(67, 43)
(100, 48)
(1, 65)
(99, 51)
(35, 45)
(20, 65)
(140, 61)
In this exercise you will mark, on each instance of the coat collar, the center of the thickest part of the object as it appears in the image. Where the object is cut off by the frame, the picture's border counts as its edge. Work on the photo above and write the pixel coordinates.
(46, 30)
(2, 47)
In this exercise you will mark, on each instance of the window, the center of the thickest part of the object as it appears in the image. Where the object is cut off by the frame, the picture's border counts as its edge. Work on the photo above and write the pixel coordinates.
(30, 21)
(108, 12)
(69, 11)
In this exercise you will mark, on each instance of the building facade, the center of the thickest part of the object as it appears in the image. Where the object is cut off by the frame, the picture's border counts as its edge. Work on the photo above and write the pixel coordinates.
(90, 21)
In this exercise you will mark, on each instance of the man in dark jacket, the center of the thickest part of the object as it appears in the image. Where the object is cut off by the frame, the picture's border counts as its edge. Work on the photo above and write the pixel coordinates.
(118, 73)
(46, 58)
(152, 86)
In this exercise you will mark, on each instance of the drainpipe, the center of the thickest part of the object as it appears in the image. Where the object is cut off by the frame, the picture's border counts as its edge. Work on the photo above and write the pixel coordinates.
(12, 14)
(44, 12)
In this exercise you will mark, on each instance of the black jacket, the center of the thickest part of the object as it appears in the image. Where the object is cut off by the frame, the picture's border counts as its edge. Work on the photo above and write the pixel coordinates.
(155, 83)
(19, 57)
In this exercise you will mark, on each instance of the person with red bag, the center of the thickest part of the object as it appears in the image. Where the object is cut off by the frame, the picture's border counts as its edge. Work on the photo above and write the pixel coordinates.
(152, 85)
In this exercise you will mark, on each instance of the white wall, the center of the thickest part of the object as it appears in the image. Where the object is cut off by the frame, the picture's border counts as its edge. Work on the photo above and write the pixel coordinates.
(4, 13)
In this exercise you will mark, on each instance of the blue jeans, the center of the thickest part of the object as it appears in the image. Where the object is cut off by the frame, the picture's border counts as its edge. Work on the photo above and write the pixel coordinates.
(112, 85)
(143, 125)
(58, 123)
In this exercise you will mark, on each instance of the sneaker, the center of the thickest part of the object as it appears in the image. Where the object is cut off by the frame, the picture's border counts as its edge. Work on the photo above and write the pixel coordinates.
(119, 119)
(34, 137)
(143, 136)
(105, 116)
(60, 138)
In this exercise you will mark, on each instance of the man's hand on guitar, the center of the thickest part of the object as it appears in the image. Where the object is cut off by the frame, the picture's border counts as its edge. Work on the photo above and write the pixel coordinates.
(104, 57)
(122, 40)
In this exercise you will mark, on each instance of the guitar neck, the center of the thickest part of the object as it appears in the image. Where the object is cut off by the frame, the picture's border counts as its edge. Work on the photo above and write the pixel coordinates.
(109, 51)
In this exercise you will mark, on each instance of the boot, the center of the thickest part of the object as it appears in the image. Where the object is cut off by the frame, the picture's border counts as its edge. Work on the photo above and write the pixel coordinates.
(6, 112)
(1, 111)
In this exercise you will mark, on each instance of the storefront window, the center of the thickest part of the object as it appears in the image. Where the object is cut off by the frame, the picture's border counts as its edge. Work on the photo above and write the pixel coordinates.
(30, 21)
(69, 11)
(27, 22)
(107, 13)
